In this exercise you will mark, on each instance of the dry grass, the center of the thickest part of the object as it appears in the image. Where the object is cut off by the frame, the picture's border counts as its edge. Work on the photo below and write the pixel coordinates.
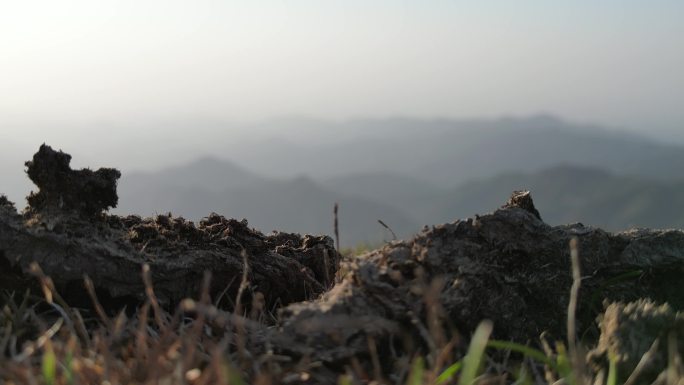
(44, 341)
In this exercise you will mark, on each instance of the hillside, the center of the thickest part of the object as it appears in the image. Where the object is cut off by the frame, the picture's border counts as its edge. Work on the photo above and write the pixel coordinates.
(567, 194)
(297, 205)
(410, 172)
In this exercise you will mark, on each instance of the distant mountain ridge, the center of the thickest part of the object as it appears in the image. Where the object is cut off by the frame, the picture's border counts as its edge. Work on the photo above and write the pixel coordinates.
(568, 194)
(450, 152)
(563, 194)
(296, 205)
(427, 172)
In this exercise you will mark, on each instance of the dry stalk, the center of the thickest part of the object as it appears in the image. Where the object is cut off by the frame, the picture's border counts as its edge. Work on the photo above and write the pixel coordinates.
(336, 226)
(574, 293)
(643, 363)
(151, 297)
(394, 236)
(375, 359)
(240, 332)
(90, 288)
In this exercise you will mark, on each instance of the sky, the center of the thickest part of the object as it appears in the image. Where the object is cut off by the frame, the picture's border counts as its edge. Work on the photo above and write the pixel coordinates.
(143, 83)
(76, 65)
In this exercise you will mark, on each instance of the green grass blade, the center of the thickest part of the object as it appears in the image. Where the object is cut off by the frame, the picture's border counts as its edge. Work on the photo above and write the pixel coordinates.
(231, 374)
(473, 359)
(449, 372)
(523, 377)
(69, 368)
(417, 372)
(564, 364)
(49, 365)
(344, 380)
(612, 371)
(525, 350)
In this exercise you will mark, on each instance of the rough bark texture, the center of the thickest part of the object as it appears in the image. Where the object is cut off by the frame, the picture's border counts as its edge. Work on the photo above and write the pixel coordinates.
(507, 266)
(85, 192)
(66, 233)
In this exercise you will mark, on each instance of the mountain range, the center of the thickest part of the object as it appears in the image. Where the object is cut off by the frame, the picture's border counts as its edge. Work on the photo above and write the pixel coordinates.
(411, 173)
(450, 152)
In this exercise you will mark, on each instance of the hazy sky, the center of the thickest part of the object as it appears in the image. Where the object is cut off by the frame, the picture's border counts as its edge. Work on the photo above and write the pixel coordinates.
(80, 64)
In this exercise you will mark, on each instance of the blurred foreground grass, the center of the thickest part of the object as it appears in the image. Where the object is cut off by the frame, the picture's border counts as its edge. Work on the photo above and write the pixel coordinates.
(158, 348)
(45, 341)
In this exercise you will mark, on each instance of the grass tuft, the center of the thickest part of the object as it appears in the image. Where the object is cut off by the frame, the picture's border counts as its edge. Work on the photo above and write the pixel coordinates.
(473, 359)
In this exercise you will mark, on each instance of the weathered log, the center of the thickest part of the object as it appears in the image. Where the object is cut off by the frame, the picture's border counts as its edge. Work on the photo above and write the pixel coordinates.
(507, 266)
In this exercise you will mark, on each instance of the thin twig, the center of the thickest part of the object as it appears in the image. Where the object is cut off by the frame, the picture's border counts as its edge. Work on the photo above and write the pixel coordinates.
(388, 228)
(326, 266)
(90, 288)
(336, 226)
(375, 359)
(149, 291)
(643, 362)
(33, 346)
(244, 283)
(239, 325)
(572, 305)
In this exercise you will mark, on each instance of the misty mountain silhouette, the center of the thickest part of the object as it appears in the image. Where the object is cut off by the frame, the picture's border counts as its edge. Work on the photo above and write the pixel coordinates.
(422, 176)
(297, 205)
(563, 194)
(449, 152)
(568, 194)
